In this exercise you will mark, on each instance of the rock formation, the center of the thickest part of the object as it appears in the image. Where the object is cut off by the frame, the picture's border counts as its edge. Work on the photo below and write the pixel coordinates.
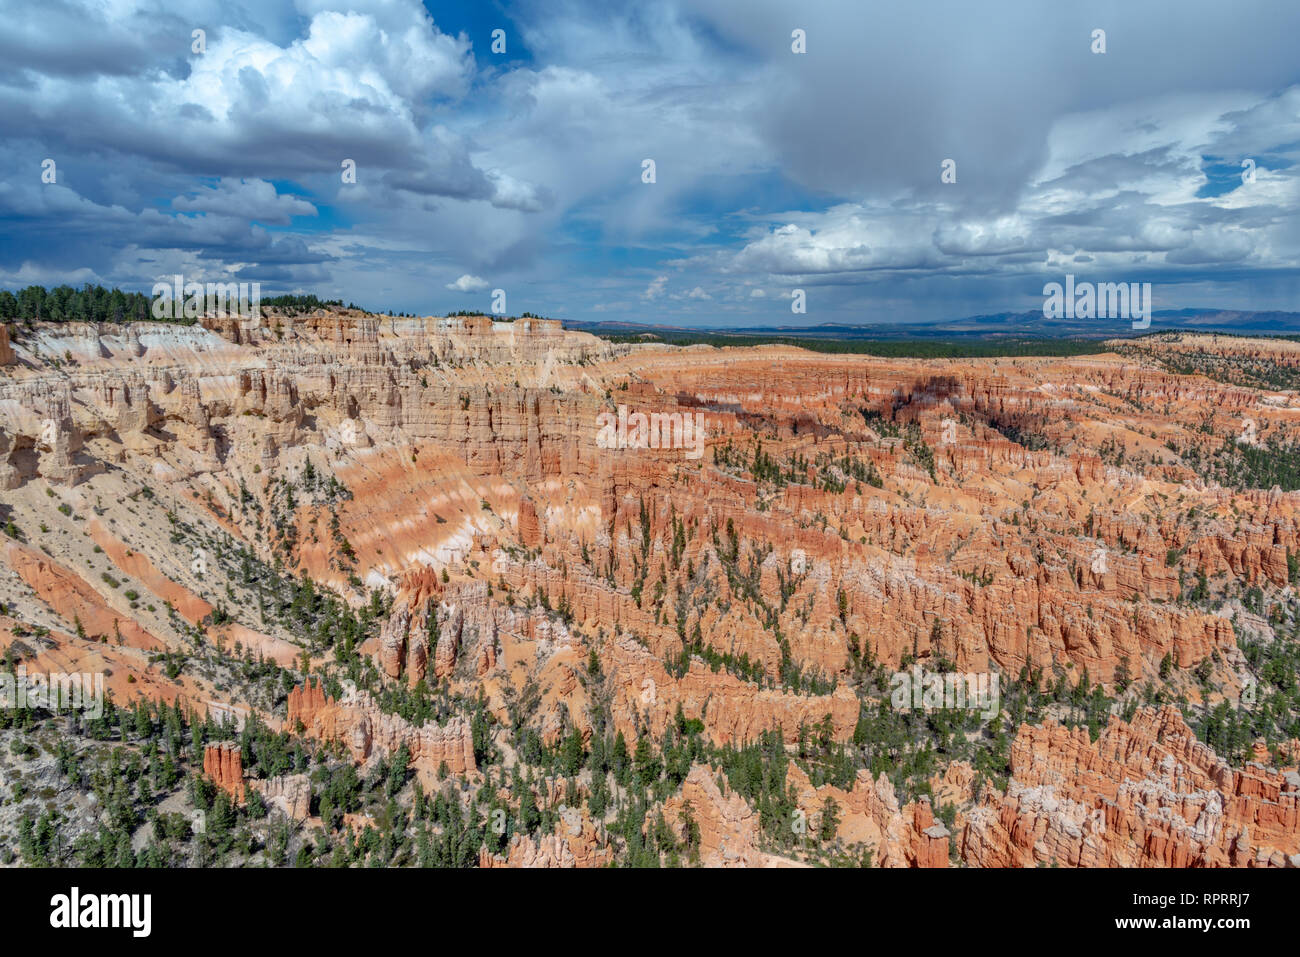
(1145, 794)
(728, 826)
(287, 793)
(223, 763)
(369, 732)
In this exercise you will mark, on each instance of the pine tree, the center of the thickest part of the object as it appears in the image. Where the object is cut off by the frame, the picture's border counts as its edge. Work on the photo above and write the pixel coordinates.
(830, 820)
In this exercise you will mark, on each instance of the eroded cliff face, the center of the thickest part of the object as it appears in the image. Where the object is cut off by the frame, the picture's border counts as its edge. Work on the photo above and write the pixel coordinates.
(1145, 794)
(223, 764)
(415, 442)
(576, 843)
(870, 814)
(453, 483)
(358, 722)
(728, 827)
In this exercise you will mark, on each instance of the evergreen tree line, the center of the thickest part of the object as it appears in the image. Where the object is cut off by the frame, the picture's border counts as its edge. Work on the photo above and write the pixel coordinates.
(93, 303)
(66, 304)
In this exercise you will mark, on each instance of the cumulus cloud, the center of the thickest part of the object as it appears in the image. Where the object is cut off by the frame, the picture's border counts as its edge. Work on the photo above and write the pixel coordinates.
(656, 288)
(253, 199)
(1133, 198)
(468, 283)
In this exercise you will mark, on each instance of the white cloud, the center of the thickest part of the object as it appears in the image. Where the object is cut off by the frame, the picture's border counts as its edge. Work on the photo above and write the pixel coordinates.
(656, 288)
(253, 199)
(468, 283)
(1117, 190)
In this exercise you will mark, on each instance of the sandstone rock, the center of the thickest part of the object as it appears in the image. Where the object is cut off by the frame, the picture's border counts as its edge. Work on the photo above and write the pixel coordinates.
(1143, 795)
(570, 846)
(728, 826)
(369, 733)
(392, 640)
(224, 764)
(529, 530)
(287, 793)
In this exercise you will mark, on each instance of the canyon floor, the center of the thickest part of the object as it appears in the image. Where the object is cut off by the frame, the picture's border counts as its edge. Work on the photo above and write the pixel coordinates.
(366, 590)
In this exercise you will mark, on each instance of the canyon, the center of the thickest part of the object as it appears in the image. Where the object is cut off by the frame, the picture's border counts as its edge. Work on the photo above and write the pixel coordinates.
(403, 543)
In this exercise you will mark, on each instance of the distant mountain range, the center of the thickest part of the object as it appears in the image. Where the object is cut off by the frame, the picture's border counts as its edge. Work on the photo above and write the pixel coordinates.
(1000, 324)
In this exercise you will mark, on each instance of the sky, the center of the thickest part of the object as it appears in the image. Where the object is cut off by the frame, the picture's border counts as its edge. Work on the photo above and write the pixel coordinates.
(524, 169)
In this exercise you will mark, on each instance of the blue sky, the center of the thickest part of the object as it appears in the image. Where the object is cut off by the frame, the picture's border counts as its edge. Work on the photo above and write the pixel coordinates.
(478, 170)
